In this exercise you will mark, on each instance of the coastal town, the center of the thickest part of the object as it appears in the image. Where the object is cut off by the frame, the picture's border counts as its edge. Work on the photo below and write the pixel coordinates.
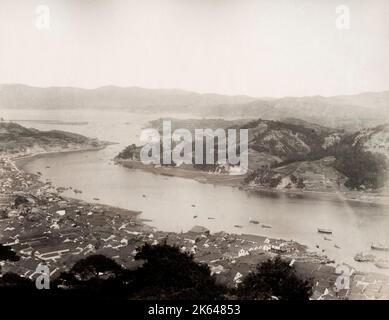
(43, 227)
(193, 158)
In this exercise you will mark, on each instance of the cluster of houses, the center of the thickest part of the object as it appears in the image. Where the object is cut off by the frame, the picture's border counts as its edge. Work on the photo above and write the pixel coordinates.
(43, 227)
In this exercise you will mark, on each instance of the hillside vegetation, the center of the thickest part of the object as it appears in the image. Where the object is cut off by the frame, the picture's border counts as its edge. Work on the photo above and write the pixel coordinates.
(18, 140)
(295, 154)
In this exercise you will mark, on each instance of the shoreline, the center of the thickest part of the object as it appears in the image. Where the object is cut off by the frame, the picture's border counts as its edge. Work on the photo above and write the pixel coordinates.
(236, 182)
(197, 175)
(21, 160)
(223, 251)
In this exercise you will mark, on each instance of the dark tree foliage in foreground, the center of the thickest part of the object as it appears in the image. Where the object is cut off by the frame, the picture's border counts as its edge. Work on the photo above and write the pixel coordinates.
(6, 253)
(169, 273)
(96, 266)
(13, 280)
(274, 279)
(166, 274)
(95, 275)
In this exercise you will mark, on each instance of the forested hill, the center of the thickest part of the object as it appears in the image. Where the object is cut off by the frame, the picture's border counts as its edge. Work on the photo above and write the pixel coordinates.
(18, 140)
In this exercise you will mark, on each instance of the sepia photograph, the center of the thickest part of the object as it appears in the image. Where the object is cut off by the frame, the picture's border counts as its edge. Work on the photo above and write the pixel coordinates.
(217, 151)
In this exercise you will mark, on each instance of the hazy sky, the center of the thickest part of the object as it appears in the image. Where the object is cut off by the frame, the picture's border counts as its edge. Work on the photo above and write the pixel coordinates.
(255, 47)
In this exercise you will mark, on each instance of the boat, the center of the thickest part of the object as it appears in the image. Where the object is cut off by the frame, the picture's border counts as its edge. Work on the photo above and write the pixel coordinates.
(253, 221)
(360, 257)
(326, 231)
(382, 264)
(379, 247)
(266, 226)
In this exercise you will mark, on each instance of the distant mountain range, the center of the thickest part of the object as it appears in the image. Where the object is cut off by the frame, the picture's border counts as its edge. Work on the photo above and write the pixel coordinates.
(131, 98)
(351, 112)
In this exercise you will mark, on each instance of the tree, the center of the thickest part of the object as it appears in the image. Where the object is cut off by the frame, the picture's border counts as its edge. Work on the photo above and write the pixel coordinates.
(168, 273)
(20, 200)
(13, 280)
(95, 275)
(300, 183)
(95, 266)
(274, 279)
(6, 253)
(364, 169)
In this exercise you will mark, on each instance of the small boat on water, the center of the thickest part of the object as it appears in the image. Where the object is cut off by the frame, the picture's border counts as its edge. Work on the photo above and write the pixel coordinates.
(379, 247)
(382, 264)
(253, 221)
(266, 226)
(325, 231)
(360, 257)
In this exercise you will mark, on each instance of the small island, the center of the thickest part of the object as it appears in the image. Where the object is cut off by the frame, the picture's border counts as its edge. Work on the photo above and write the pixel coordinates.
(290, 156)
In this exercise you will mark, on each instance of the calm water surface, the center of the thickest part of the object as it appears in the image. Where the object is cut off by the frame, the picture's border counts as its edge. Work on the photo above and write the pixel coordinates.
(168, 202)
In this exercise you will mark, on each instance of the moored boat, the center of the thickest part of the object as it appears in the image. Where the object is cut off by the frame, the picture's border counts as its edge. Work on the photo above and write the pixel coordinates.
(379, 247)
(253, 221)
(382, 264)
(326, 231)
